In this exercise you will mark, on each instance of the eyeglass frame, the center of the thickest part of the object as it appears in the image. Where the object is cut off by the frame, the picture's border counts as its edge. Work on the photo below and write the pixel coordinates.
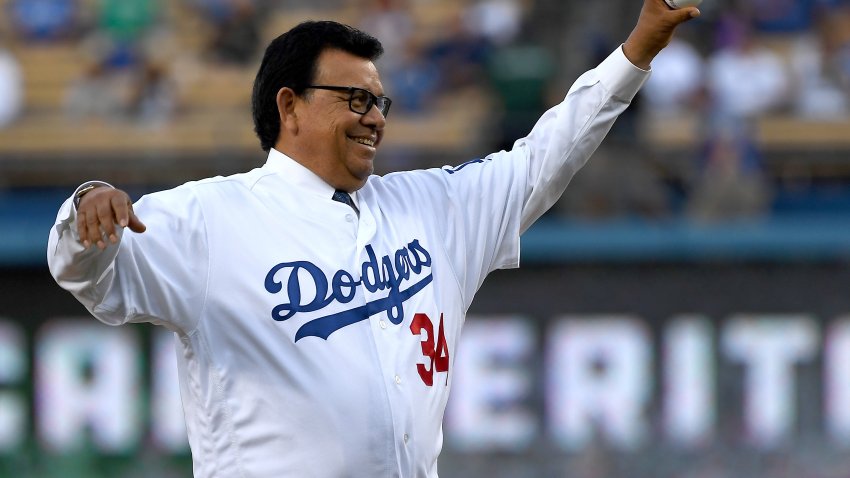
(373, 98)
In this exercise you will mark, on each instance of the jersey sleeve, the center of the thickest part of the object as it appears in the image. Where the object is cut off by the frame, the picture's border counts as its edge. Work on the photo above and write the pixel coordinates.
(159, 276)
(492, 201)
(567, 135)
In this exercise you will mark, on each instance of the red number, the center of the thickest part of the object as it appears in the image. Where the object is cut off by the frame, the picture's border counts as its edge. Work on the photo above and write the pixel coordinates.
(441, 361)
(421, 321)
(438, 357)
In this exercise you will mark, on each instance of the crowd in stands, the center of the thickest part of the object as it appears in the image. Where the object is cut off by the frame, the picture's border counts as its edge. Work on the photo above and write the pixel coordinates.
(741, 61)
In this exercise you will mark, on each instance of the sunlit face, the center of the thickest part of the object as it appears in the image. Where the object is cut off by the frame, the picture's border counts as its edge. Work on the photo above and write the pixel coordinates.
(336, 143)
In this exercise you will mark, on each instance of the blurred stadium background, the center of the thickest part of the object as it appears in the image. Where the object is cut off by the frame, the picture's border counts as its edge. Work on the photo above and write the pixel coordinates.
(681, 312)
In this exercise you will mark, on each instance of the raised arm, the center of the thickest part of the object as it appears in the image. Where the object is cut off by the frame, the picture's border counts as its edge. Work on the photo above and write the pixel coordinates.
(567, 135)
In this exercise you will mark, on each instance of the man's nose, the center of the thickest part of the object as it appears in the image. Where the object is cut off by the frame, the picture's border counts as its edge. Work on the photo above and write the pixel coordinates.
(374, 117)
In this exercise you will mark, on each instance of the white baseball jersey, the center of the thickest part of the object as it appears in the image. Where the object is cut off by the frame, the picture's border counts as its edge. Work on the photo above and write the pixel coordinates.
(313, 342)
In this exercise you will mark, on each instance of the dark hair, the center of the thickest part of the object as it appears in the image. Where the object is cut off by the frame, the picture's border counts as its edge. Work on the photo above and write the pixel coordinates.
(290, 61)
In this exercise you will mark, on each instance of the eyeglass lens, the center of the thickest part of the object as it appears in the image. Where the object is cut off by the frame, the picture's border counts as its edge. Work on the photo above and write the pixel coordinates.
(361, 102)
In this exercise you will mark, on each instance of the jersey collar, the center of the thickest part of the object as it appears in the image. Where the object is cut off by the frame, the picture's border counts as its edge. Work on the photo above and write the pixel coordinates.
(300, 176)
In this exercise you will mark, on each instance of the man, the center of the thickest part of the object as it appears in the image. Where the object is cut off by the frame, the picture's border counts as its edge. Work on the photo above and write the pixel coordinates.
(317, 307)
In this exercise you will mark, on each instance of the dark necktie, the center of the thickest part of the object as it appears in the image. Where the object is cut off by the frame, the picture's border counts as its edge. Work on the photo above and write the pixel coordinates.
(345, 198)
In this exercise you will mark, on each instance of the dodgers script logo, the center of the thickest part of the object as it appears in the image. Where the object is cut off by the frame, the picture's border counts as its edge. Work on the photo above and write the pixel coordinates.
(386, 274)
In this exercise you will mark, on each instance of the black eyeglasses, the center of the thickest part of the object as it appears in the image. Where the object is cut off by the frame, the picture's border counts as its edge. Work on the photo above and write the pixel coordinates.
(359, 100)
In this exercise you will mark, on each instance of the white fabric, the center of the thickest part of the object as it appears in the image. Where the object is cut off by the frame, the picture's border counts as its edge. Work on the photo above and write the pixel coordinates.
(223, 258)
(11, 88)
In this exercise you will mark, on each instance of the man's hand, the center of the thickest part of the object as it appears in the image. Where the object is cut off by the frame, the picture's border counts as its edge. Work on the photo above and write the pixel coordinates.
(98, 213)
(654, 30)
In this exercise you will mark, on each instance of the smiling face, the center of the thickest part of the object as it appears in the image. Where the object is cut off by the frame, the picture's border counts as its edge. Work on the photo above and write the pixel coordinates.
(328, 138)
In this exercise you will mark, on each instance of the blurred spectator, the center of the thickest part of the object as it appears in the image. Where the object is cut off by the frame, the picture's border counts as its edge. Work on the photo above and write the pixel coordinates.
(122, 28)
(785, 16)
(152, 98)
(414, 84)
(498, 21)
(11, 88)
(236, 37)
(676, 81)
(745, 80)
(461, 56)
(119, 80)
(214, 11)
(45, 20)
(820, 84)
(391, 22)
(96, 95)
(730, 182)
(145, 94)
(618, 183)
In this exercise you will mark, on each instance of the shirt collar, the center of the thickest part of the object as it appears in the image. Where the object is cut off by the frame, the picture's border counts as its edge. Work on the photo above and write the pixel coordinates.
(298, 175)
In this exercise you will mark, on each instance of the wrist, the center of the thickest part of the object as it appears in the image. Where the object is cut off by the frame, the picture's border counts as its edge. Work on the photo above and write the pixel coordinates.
(640, 57)
(85, 189)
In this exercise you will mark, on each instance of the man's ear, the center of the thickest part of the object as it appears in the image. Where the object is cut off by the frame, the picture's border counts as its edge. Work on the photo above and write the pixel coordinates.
(286, 99)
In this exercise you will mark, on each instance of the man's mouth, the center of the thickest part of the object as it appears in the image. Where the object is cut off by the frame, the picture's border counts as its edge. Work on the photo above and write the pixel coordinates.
(365, 141)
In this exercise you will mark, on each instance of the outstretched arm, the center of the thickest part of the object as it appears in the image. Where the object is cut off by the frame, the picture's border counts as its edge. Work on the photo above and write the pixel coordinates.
(122, 277)
(78, 252)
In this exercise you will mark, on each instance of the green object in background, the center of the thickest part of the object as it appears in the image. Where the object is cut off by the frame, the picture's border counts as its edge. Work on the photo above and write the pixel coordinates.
(520, 75)
(127, 20)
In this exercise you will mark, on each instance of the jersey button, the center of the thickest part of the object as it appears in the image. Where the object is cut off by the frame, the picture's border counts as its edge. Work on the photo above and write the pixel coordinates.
(349, 217)
(397, 379)
(406, 438)
(383, 324)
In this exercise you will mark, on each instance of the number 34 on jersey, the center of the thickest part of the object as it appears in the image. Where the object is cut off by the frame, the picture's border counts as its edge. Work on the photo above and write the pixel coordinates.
(434, 348)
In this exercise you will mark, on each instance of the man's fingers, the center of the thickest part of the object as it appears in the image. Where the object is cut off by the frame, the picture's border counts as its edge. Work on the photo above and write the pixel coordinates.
(102, 213)
(135, 224)
(688, 13)
(93, 233)
(121, 207)
(106, 216)
(124, 214)
(82, 229)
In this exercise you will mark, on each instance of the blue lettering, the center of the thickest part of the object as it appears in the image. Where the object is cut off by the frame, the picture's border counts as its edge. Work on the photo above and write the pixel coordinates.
(323, 327)
(402, 263)
(396, 310)
(372, 283)
(293, 289)
(423, 259)
(462, 165)
(343, 280)
(388, 273)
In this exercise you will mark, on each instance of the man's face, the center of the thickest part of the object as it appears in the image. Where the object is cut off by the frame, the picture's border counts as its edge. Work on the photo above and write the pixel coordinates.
(338, 144)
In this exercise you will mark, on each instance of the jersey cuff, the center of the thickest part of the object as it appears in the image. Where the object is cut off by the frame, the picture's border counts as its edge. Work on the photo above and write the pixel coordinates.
(620, 76)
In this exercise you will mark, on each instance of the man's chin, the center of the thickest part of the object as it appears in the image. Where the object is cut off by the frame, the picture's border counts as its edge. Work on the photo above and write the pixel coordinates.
(365, 174)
